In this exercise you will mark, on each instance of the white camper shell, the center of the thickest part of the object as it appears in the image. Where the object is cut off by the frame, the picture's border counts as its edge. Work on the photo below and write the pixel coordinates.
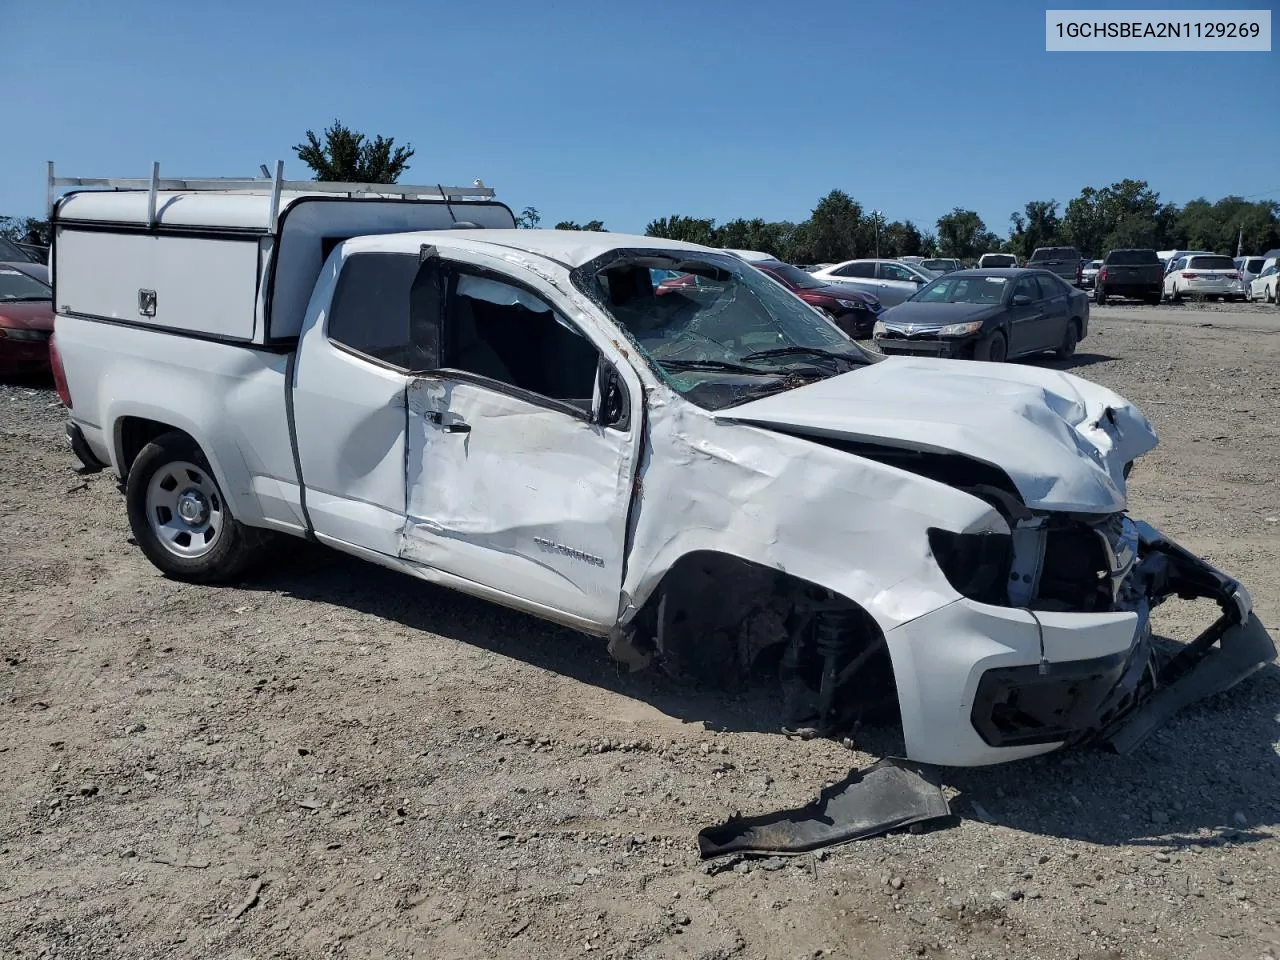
(230, 260)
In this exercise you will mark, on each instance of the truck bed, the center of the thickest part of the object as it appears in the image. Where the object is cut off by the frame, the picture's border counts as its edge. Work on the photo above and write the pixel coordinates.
(202, 386)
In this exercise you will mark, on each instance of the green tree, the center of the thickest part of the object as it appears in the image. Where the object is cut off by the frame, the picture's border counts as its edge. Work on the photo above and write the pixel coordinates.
(833, 231)
(346, 156)
(529, 218)
(1036, 226)
(962, 234)
(901, 239)
(18, 229)
(594, 226)
(687, 229)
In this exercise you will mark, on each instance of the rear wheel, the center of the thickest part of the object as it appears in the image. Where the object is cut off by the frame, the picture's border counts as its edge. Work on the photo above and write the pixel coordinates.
(1177, 294)
(1099, 295)
(994, 349)
(1153, 299)
(179, 517)
(1070, 338)
(1269, 293)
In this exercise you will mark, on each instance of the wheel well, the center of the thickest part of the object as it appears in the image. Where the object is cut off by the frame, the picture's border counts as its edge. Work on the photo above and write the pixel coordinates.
(134, 433)
(724, 621)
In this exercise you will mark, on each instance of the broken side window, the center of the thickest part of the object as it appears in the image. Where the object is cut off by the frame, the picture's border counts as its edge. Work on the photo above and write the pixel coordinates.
(505, 332)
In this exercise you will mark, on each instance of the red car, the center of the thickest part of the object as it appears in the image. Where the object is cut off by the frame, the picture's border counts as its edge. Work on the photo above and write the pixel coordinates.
(854, 311)
(26, 324)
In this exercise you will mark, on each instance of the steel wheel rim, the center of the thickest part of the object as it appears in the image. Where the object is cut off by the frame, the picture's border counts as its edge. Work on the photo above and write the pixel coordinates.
(185, 509)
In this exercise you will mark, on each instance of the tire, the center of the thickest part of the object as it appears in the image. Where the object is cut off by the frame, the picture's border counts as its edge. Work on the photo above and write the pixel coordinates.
(1177, 295)
(1270, 296)
(1099, 296)
(1070, 339)
(1155, 299)
(180, 519)
(994, 349)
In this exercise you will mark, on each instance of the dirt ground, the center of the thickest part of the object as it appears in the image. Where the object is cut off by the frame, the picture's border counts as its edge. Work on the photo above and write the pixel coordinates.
(335, 760)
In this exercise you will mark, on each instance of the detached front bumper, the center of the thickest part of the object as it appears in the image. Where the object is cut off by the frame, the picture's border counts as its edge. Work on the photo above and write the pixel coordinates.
(981, 684)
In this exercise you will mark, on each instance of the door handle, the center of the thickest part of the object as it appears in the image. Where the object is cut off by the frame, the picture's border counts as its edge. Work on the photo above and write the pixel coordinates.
(457, 426)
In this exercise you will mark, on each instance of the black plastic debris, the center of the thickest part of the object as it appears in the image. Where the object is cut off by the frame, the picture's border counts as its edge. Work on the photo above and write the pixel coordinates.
(1242, 650)
(888, 795)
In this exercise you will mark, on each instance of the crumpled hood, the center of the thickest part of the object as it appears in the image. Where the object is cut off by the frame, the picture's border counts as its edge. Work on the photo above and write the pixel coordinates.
(1062, 440)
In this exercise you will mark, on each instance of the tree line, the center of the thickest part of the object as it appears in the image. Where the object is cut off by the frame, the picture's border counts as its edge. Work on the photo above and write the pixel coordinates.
(1124, 214)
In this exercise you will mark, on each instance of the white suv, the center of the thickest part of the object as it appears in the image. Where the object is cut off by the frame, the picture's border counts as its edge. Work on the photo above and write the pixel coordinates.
(1203, 275)
(1266, 285)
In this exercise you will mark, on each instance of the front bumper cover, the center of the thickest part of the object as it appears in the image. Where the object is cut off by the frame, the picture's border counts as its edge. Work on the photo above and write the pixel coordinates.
(924, 346)
(1027, 682)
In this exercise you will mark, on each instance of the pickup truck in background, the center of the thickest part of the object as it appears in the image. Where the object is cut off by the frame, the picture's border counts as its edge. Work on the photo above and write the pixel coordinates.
(1065, 262)
(715, 479)
(1130, 273)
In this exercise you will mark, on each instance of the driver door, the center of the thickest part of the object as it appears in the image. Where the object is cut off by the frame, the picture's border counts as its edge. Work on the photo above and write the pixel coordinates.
(522, 449)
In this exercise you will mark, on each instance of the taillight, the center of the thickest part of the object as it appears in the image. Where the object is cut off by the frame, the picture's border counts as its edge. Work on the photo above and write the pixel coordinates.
(1232, 275)
(1190, 276)
(1102, 274)
(59, 374)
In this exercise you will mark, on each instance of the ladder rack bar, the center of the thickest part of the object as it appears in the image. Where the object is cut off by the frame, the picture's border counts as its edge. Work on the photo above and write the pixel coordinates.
(267, 185)
(151, 194)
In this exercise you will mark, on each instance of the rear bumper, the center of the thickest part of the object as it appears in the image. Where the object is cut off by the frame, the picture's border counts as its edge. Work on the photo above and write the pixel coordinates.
(89, 463)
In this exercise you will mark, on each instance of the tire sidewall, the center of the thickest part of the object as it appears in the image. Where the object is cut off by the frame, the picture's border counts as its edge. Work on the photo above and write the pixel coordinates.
(228, 556)
(985, 348)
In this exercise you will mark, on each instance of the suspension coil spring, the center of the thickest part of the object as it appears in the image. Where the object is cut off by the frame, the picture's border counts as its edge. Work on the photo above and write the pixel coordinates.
(833, 631)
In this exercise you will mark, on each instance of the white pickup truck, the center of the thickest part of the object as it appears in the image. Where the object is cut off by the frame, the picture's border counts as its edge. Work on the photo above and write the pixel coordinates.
(709, 473)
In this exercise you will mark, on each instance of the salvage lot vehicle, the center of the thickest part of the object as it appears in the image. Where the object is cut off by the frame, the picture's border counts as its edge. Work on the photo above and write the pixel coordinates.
(710, 478)
(1208, 275)
(1063, 262)
(1267, 285)
(26, 323)
(991, 315)
(1089, 274)
(889, 281)
(1129, 273)
(854, 311)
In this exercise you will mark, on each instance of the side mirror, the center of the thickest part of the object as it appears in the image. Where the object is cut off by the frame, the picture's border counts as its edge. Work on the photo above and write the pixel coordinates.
(919, 281)
(1022, 300)
(615, 408)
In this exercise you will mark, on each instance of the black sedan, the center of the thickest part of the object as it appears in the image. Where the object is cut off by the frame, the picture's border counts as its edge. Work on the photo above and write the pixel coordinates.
(992, 314)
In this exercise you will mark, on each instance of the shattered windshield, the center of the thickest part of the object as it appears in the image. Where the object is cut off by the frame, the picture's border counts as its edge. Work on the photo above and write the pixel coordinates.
(726, 334)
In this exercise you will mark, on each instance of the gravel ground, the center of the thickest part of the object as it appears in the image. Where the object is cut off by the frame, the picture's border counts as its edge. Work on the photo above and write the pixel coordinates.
(334, 760)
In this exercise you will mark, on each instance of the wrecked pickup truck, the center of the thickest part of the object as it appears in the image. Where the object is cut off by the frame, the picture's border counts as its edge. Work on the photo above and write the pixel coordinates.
(717, 479)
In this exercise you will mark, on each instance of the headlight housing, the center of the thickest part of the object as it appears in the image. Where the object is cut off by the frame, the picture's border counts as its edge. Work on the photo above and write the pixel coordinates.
(879, 329)
(852, 304)
(976, 565)
(960, 329)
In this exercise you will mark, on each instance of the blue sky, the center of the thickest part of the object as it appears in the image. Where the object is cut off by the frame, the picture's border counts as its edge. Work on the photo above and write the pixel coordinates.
(633, 111)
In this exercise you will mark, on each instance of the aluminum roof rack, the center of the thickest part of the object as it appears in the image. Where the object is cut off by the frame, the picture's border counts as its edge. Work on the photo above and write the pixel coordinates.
(273, 186)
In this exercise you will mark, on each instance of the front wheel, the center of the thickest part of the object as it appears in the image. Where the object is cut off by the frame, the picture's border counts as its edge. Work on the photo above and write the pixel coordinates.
(179, 517)
(993, 349)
